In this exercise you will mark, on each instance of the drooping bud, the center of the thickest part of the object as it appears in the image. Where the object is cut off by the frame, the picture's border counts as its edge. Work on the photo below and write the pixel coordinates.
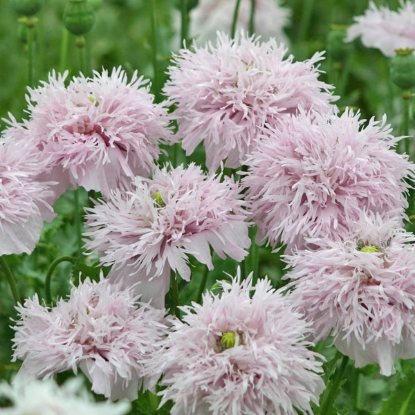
(402, 70)
(78, 17)
(337, 49)
(27, 7)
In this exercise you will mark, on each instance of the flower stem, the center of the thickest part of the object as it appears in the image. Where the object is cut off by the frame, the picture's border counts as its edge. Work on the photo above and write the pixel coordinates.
(308, 6)
(31, 52)
(235, 18)
(154, 44)
(174, 294)
(10, 279)
(406, 95)
(64, 51)
(78, 224)
(202, 284)
(254, 255)
(53, 265)
(337, 382)
(251, 28)
(184, 22)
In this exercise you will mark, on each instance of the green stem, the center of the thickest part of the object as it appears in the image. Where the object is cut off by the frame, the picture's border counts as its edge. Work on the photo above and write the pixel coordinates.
(202, 285)
(406, 95)
(328, 403)
(174, 294)
(153, 402)
(308, 6)
(63, 62)
(78, 223)
(254, 255)
(156, 81)
(184, 22)
(82, 60)
(55, 263)
(10, 279)
(31, 54)
(251, 28)
(235, 18)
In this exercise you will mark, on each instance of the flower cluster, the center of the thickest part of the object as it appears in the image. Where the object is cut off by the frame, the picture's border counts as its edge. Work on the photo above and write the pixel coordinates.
(225, 95)
(361, 290)
(24, 200)
(98, 132)
(99, 329)
(211, 16)
(152, 228)
(46, 397)
(385, 29)
(315, 174)
(240, 355)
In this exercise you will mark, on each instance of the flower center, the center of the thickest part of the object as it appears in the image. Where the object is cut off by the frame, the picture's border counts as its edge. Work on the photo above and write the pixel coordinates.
(369, 248)
(158, 199)
(230, 339)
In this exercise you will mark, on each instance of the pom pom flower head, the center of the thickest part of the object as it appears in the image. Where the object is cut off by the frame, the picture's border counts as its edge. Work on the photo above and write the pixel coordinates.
(152, 228)
(385, 29)
(226, 94)
(23, 200)
(361, 290)
(315, 175)
(240, 355)
(100, 130)
(99, 329)
(46, 397)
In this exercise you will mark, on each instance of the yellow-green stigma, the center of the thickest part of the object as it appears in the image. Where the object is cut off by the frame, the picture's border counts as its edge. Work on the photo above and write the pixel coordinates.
(229, 339)
(369, 248)
(93, 100)
(158, 199)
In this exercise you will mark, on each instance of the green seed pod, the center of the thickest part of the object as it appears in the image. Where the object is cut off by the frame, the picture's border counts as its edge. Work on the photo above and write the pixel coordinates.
(337, 49)
(78, 17)
(402, 70)
(27, 7)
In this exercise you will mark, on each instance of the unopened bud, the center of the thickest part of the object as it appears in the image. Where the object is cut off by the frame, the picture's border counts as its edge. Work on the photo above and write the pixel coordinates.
(78, 17)
(402, 70)
(27, 7)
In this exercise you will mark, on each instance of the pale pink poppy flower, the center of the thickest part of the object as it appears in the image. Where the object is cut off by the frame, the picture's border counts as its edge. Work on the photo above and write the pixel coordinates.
(384, 29)
(46, 397)
(101, 329)
(211, 16)
(361, 291)
(224, 95)
(24, 201)
(243, 352)
(99, 132)
(153, 228)
(315, 174)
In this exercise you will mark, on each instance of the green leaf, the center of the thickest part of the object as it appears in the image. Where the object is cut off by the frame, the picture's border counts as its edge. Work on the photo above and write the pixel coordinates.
(402, 398)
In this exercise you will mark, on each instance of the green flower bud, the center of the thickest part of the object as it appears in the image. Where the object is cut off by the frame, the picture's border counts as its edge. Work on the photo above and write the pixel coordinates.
(78, 17)
(27, 7)
(402, 69)
(337, 49)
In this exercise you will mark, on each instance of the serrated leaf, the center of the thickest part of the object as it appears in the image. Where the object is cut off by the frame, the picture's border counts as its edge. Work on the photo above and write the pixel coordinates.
(402, 398)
